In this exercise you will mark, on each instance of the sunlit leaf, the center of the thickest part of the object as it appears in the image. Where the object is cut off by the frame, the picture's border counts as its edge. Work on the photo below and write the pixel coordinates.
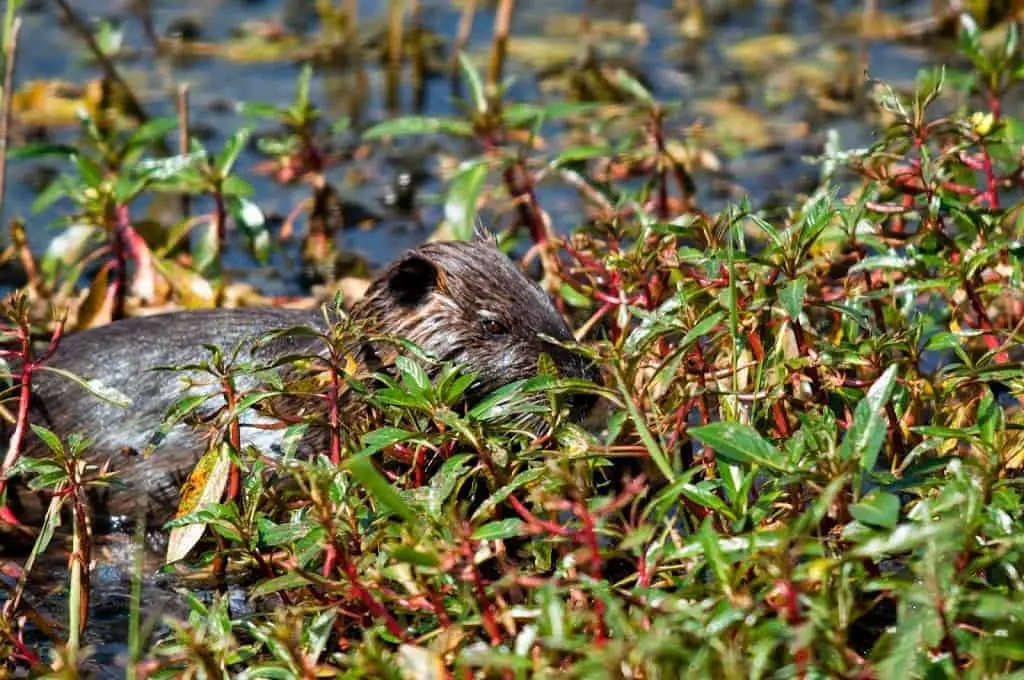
(204, 487)
(740, 444)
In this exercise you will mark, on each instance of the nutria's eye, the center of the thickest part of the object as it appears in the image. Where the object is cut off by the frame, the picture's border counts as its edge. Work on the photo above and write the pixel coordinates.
(492, 326)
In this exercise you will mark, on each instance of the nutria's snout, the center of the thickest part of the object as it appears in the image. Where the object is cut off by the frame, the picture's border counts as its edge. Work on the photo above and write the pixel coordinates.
(574, 365)
(581, 405)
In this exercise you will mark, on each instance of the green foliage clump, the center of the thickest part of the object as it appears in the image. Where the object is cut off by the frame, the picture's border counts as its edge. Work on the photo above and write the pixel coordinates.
(807, 463)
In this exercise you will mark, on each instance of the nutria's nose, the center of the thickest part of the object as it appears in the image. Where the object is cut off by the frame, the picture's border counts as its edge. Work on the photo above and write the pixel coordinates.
(580, 405)
(577, 366)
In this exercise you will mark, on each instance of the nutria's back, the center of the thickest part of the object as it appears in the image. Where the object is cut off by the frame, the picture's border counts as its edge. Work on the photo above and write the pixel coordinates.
(462, 302)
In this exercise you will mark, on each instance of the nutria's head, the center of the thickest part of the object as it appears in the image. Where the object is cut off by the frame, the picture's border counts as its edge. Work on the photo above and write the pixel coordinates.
(466, 303)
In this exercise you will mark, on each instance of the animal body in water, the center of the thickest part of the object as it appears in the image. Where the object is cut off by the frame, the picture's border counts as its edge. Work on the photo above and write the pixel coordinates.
(462, 302)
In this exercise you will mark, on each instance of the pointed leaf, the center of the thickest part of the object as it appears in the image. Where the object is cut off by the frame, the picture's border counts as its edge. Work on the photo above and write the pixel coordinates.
(740, 444)
(205, 486)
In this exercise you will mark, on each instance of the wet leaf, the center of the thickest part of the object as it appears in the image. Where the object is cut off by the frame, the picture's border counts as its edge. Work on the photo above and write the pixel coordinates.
(251, 221)
(634, 87)
(205, 486)
(68, 248)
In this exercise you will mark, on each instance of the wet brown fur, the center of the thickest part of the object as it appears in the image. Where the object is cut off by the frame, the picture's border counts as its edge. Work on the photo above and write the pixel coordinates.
(462, 302)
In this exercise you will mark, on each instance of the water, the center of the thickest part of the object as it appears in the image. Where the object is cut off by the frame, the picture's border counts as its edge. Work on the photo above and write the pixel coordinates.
(695, 72)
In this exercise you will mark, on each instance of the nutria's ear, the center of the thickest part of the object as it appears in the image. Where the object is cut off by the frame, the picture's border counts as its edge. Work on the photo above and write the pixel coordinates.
(412, 279)
(482, 234)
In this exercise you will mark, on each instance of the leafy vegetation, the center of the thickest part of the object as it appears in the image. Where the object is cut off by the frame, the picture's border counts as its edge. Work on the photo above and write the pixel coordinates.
(807, 463)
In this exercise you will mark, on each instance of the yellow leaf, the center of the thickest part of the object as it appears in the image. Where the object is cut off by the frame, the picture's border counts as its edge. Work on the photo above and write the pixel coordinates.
(205, 486)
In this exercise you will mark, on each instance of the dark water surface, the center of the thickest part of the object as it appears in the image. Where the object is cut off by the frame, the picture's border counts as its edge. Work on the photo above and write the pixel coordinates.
(772, 99)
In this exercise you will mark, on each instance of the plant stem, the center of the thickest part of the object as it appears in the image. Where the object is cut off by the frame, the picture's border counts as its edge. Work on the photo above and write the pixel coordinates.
(461, 39)
(10, 51)
(132, 105)
(499, 49)
(183, 141)
(396, 12)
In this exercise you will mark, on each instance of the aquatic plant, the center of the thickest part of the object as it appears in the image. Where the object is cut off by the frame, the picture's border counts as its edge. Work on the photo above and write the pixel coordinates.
(807, 463)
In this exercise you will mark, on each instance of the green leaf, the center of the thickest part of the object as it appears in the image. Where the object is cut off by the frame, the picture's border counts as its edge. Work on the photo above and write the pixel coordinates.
(990, 418)
(289, 581)
(445, 480)
(499, 496)
(1011, 45)
(634, 87)
(522, 114)
(232, 148)
(363, 470)
(250, 220)
(654, 449)
(580, 153)
(879, 509)
(413, 373)
(714, 556)
(884, 262)
(302, 88)
(904, 645)
(463, 194)
(417, 125)
(867, 433)
(42, 150)
(500, 529)
(49, 438)
(970, 36)
(792, 297)
(178, 411)
(474, 82)
(382, 438)
(415, 557)
(697, 493)
(259, 109)
(740, 444)
(93, 386)
(292, 438)
(91, 174)
(282, 534)
(153, 130)
(207, 250)
(53, 192)
(402, 397)
(944, 432)
(904, 538)
(164, 169)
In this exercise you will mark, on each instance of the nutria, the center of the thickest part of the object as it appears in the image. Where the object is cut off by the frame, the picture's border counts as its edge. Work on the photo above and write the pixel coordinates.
(462, 302)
